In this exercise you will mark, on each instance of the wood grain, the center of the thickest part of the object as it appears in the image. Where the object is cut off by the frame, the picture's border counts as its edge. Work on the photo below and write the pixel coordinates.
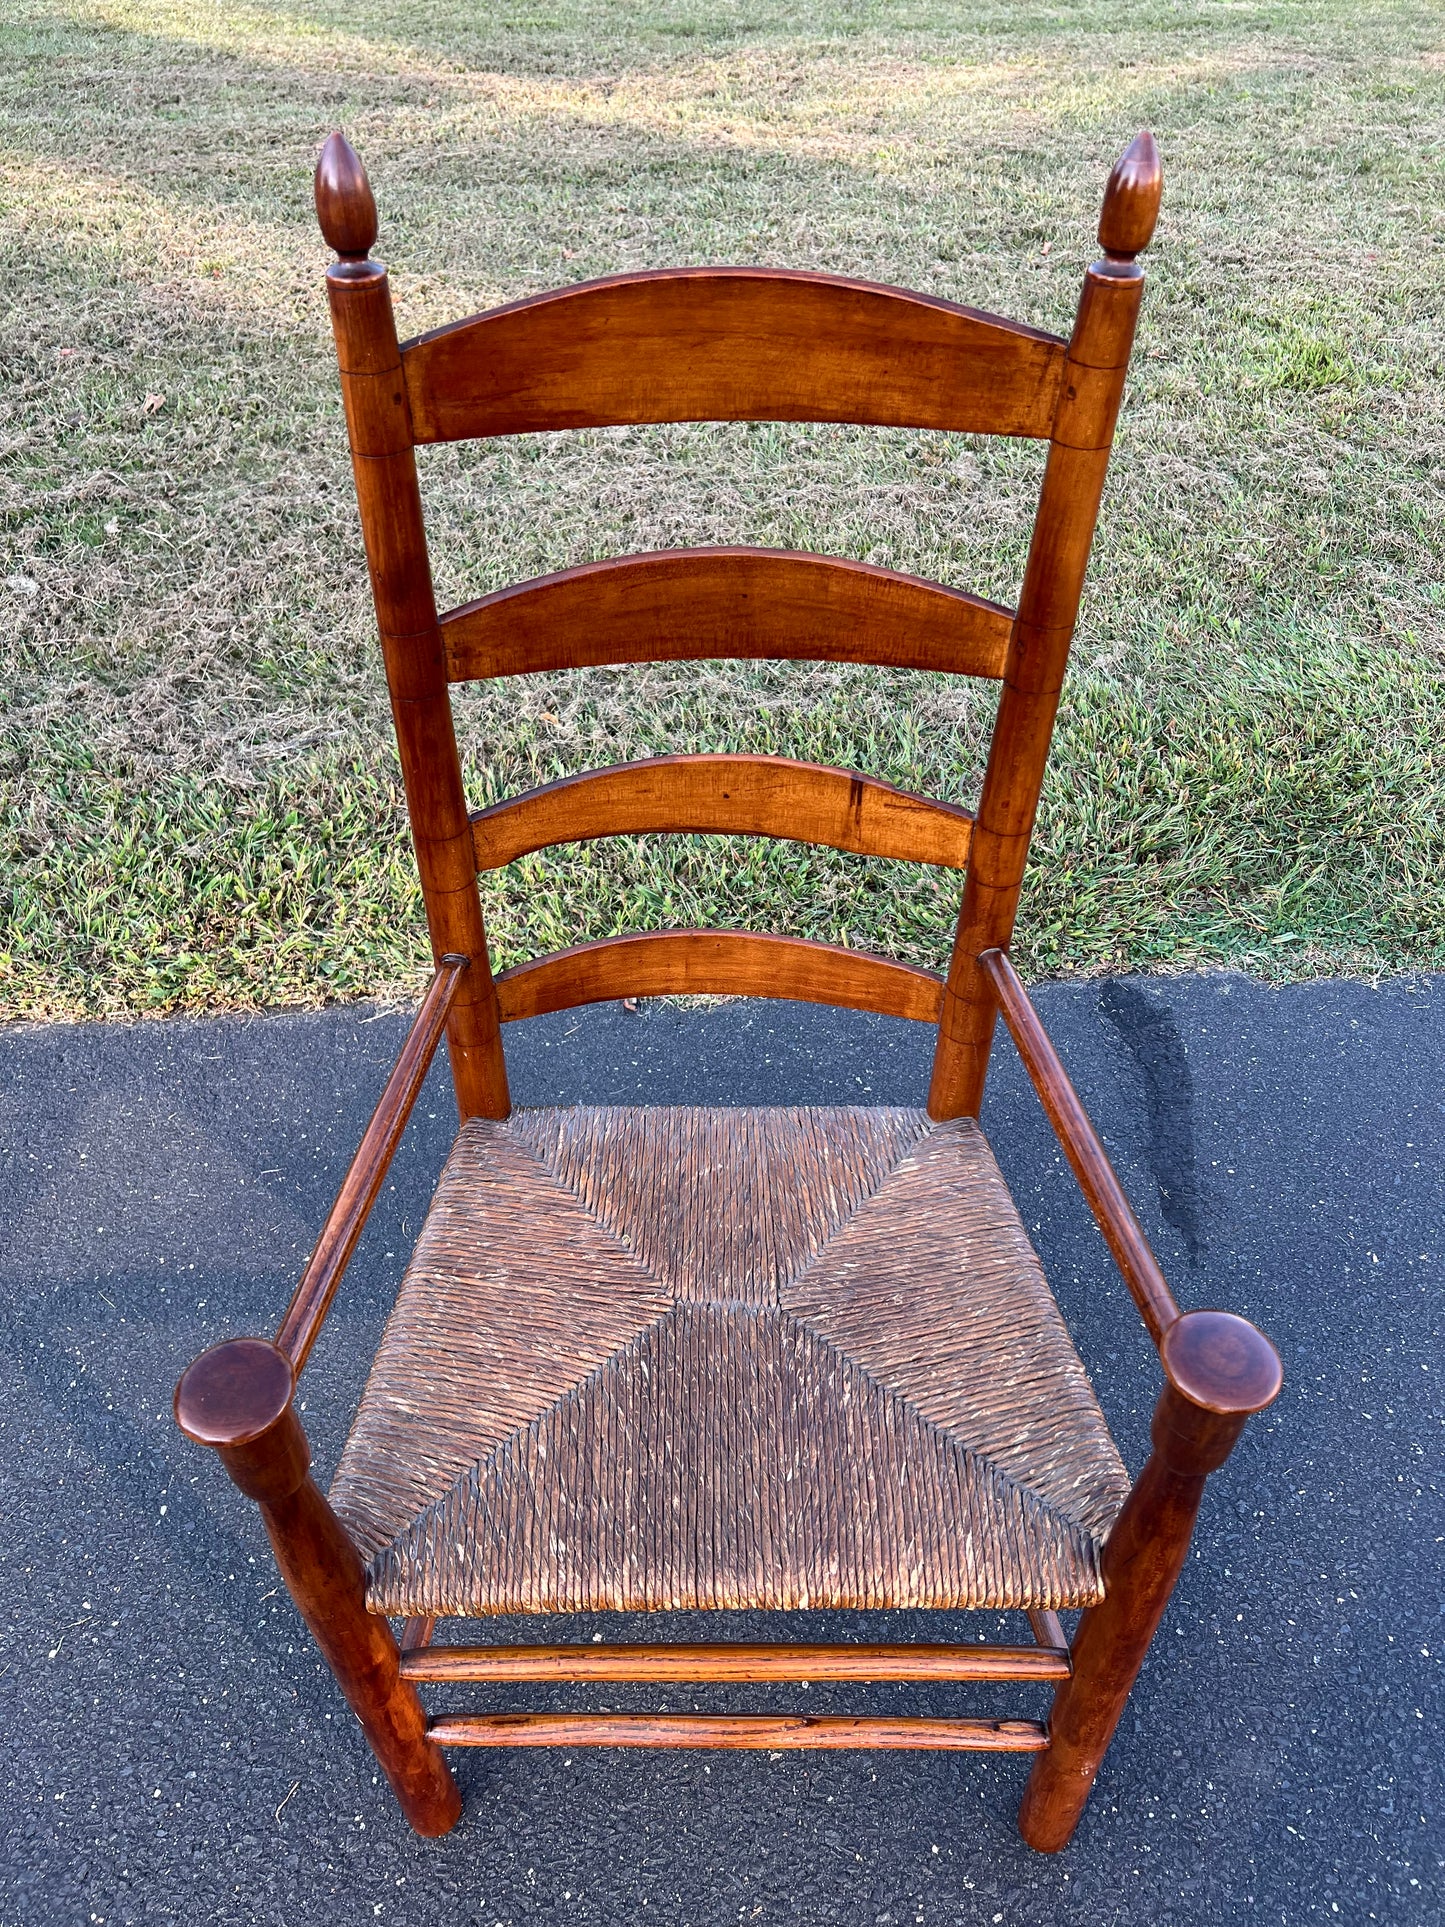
(730, 344)
(1131, 199)
(1087, 1157)
(721, 1371)
(737, 795)
(389, 498)
(345, 209)
(1080, 439)
(1048, 1630)
(692, 605)
(717, 963)
(736, 1731)
(1230, 1371)
(416, 1633)
(225, 1396)
(577, 1664)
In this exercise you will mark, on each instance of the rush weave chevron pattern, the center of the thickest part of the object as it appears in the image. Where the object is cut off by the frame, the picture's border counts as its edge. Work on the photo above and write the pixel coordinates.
(683, 1357)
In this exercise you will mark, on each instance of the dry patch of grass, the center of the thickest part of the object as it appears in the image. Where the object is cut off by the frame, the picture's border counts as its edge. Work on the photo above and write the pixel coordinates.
(198, 798)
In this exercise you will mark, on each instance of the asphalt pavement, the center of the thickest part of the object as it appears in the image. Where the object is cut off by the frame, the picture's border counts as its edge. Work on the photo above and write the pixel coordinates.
(172, 1750)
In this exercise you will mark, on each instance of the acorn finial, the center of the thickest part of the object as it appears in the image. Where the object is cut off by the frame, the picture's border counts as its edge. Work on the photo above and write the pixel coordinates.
(1131, 200)
(345, 206)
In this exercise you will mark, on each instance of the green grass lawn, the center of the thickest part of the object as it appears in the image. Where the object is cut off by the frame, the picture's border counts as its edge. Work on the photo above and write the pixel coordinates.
(199, 802)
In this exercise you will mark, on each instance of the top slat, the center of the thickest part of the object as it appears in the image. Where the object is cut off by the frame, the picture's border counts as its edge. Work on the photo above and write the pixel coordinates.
(731, 344)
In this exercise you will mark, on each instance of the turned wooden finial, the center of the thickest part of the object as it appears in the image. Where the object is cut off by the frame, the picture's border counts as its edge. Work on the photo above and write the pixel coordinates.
(1221, 1363)
(1220, 1370)
(237, 1398)
(234, 1392)
(1131, 200)
(345, 206)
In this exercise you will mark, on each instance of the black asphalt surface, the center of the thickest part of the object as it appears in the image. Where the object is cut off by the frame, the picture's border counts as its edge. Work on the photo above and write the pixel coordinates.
(174, 1751)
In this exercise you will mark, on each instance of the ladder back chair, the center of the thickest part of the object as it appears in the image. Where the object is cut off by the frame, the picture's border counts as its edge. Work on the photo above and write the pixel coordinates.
(658, 1358)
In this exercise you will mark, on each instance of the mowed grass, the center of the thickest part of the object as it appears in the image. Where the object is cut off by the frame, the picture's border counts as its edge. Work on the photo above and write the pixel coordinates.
(201, 806)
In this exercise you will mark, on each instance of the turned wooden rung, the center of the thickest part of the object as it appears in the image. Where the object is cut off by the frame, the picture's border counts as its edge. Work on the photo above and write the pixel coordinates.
(734, 1731)
(734, 1662)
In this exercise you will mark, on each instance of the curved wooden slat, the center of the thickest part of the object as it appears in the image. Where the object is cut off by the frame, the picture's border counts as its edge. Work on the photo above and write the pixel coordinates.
(686, 605)
(737, 795)
(731, 344)
(717, 963)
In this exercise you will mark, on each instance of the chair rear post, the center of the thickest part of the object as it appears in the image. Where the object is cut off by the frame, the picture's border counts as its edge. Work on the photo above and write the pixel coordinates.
(383, 458)
(1043, 629)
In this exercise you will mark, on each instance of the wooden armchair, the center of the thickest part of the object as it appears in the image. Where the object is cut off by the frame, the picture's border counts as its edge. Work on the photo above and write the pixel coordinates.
(654, 1358)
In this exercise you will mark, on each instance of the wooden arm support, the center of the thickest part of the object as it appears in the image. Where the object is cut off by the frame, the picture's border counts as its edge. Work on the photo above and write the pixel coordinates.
(1218, 1370)
(237, 1399)
(1098, 1181)
(312, 1298)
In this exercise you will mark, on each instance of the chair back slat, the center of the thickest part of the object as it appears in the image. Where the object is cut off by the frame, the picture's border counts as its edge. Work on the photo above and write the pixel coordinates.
(693, 604)
(730, 344)
(717, 963)
(730, 795)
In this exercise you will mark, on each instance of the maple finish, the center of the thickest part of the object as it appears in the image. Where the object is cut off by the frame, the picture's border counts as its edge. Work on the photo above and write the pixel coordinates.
(731, 344)
(1122, 1231)
(718, 963)
(736, 1662)
(1048, 1629)
(1080, 438)
(686, 605)
(690, 1358)
(237, 1398)
(317, 1287)
(743, 795)
(384, 465)
(734, 1731)
(1219, 1372)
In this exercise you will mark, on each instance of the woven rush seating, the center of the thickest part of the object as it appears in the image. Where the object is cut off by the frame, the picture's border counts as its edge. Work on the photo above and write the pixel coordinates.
(677, 1357)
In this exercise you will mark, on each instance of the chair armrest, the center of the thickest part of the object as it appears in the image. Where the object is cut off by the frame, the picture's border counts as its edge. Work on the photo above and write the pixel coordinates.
(311, 1301)
(1098, 1181)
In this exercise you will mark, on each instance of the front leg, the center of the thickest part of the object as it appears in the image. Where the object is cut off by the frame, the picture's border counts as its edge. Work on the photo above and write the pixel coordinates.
(1220, 1370)
(237, 1398)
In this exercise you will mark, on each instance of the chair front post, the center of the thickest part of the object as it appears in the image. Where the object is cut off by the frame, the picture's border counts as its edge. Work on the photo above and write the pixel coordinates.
(383, 458)
(1219, 1370)
(1083, 433)
(237, 1398)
